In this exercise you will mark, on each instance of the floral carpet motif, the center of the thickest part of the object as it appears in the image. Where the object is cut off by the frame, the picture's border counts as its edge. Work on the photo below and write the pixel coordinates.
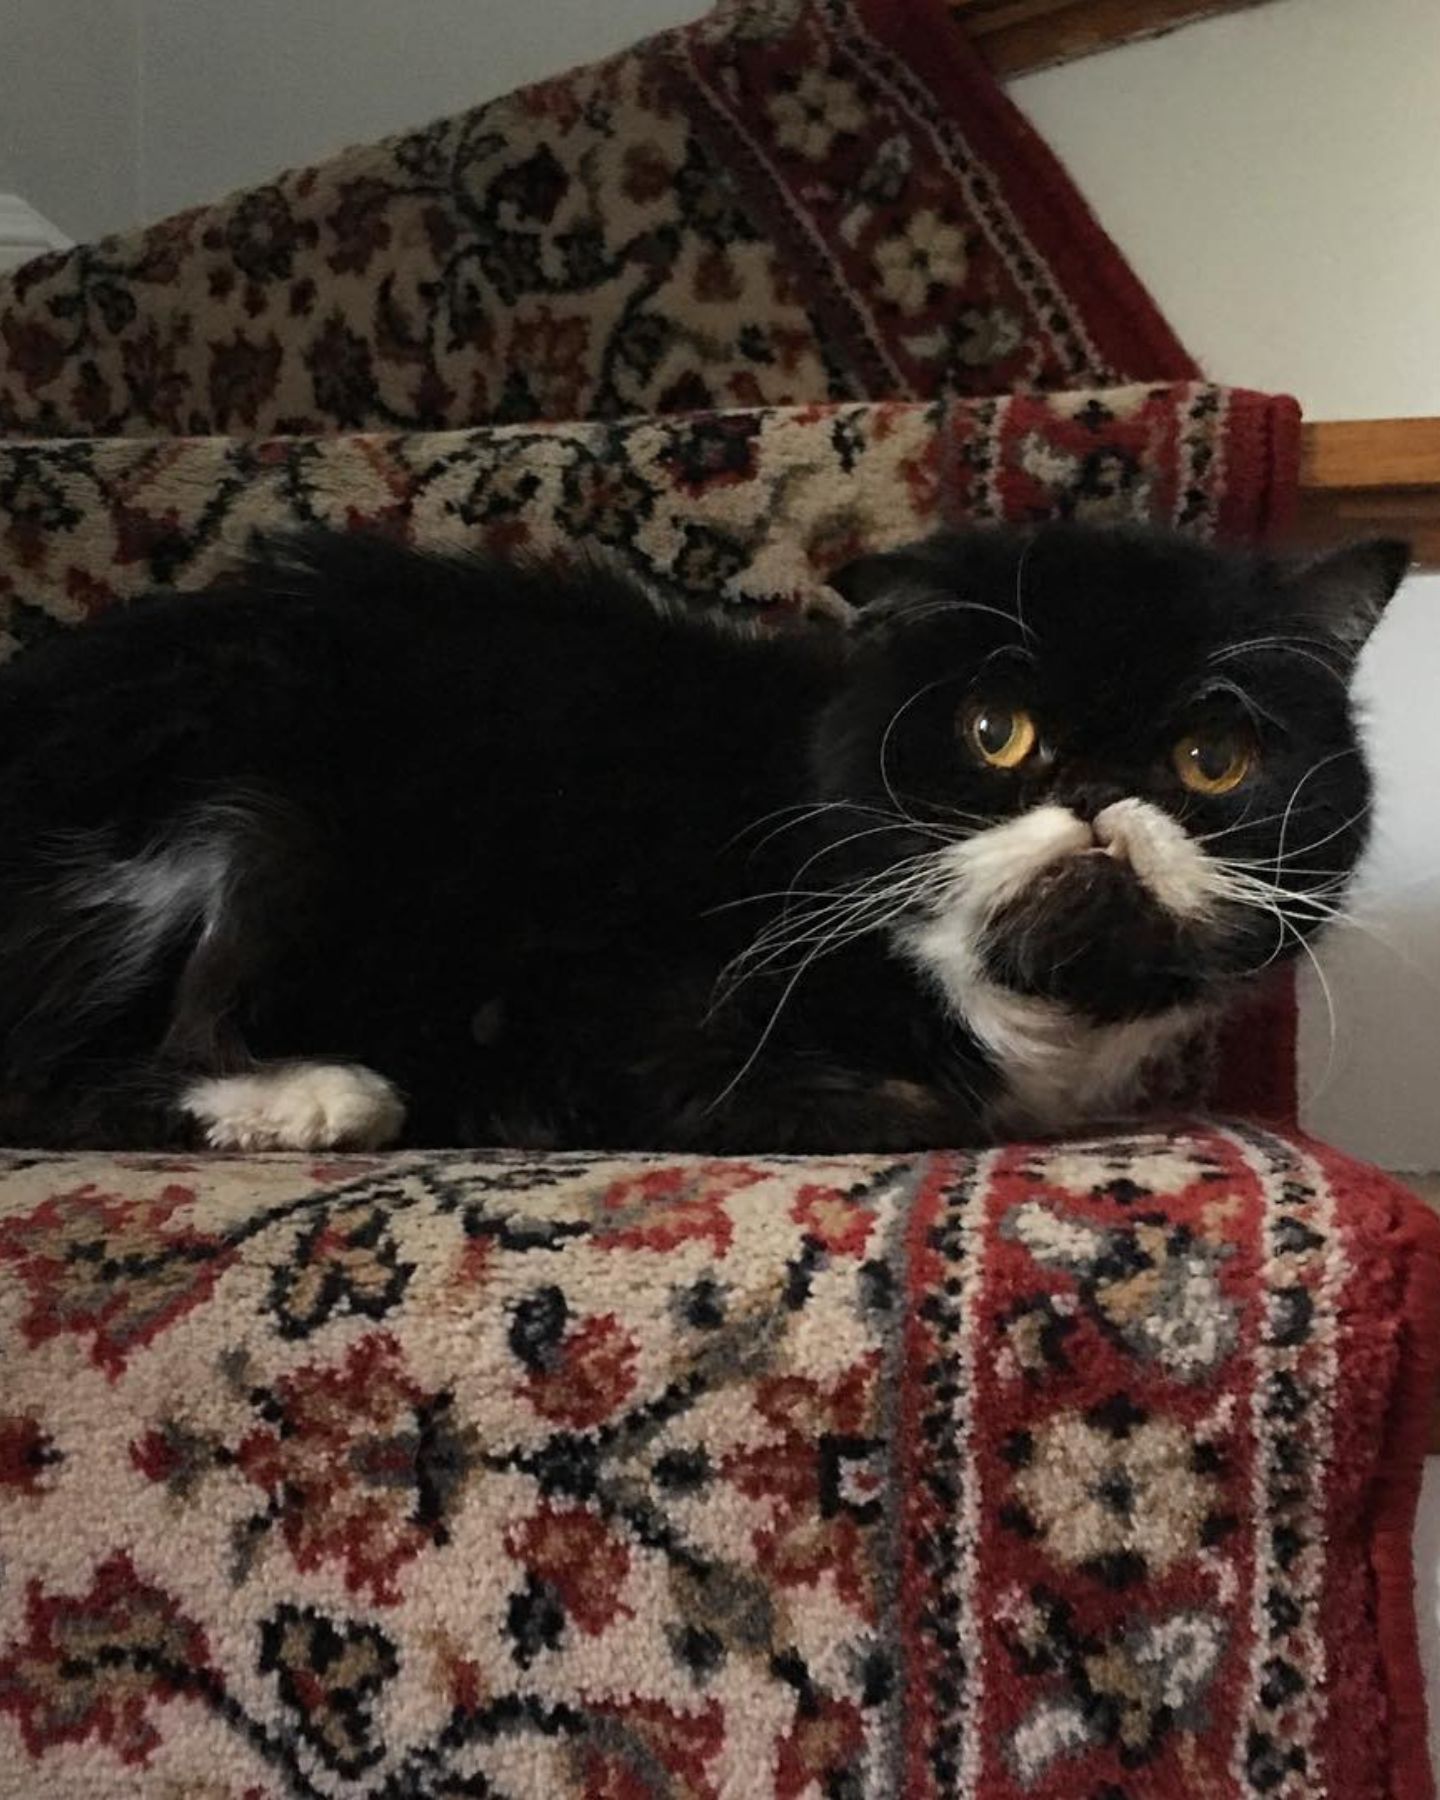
(753, 507)
(1055, 1471)
(790, 200)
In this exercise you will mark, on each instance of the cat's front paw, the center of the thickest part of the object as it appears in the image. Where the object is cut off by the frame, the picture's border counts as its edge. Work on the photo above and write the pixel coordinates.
(297, 1106)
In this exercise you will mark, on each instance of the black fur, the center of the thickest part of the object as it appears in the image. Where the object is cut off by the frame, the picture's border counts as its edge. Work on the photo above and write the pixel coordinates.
(495, 832)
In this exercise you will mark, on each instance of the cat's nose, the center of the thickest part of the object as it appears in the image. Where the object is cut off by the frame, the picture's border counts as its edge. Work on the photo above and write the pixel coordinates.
(1088, 799)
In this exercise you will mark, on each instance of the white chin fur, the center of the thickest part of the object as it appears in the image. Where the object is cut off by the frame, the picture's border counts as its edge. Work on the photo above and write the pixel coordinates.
(1057, 1068)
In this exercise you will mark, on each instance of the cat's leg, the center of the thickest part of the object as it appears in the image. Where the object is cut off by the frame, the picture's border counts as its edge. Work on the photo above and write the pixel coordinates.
(295, 1106)
(148, 1104)
(238, 881)
(665, 1083)
(236, 1102)
(111, 1105)
(838, 1112)
(805, 1103)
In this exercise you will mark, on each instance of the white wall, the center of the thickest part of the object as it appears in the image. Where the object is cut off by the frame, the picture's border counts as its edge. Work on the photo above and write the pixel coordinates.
(69, 110)
(234, 92)
(1374, 1086)
(114, 111)
(1272, 176)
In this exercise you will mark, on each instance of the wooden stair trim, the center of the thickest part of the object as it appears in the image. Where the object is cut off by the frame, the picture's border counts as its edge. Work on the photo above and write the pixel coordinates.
(1369, 478)
(1017, 37)
(1370, 453)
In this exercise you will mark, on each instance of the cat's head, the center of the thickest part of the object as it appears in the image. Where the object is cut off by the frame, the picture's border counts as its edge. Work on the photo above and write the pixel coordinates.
(1115, 769)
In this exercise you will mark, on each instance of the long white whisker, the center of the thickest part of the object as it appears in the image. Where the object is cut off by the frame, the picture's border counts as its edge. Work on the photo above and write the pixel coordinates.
(1239, 885)
(1313, 770)
(794, 926)
(820, 949)
(1285, 647)
(1020, 620)
(1370, 931)
(842, 914)
(805, 814)
(927, 609)
(1329, 1000)
(785, 893)
(833, 935)
(1320, 842)
(895, 718)
(850, 911)
(856, 836)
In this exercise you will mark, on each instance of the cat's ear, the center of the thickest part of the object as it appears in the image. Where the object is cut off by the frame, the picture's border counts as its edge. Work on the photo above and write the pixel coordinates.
(876, 583)
(1340, 596)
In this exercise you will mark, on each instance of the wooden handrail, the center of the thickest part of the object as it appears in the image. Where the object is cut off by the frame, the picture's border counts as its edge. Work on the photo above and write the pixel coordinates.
(1369, 453)
(1369, 477)
(1017, 36)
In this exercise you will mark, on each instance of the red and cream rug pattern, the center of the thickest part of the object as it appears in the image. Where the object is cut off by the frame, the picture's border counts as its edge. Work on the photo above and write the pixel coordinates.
(789, 200)
(1080, 1471)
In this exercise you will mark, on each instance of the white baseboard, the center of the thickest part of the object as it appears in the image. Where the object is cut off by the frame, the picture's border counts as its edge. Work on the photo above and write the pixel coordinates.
(25, 233)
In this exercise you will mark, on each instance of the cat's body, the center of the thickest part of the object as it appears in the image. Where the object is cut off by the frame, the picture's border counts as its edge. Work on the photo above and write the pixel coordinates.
(509, 840)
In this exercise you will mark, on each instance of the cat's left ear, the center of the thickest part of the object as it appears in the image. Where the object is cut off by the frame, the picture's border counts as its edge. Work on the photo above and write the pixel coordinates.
(875, 576)
(1340, 597)
(881, 583)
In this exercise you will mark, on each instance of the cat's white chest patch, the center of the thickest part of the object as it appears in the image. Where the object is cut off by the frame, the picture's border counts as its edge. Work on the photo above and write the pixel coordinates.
(1058, 1070)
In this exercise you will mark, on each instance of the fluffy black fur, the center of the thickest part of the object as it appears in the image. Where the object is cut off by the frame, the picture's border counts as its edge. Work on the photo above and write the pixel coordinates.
(497, 833)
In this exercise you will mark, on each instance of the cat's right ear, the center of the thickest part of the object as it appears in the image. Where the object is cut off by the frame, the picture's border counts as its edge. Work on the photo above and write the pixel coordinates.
(1340, 596)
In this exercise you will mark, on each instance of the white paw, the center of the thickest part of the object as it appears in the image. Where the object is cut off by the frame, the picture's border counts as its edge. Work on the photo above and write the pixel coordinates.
(297, 1106)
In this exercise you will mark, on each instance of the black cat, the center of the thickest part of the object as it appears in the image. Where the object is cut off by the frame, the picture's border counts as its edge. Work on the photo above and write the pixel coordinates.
(376, 846)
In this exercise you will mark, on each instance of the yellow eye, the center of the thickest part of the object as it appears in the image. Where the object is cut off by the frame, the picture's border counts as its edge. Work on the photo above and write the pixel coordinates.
(1002, 736)
(1213, 762)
